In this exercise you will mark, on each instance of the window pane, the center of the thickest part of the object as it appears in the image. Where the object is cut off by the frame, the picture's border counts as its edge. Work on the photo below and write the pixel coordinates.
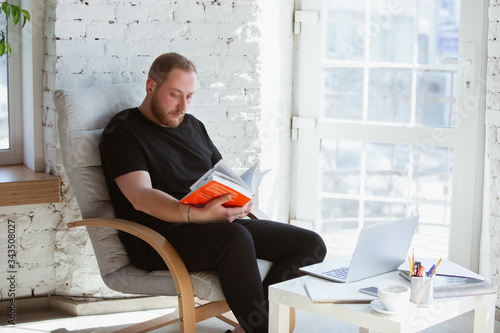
(384, 210)
(343, 212)
(341, 166)
(389, 94)
(433, 173)
(4, 94)
(343, 93)
(390, 44)
(387, 167)
(436, 93)
(345, 41)
(391, 29)
(438, 30)
(368, 182)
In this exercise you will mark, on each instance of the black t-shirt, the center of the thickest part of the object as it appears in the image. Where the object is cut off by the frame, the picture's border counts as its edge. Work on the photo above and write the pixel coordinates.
(174, 157)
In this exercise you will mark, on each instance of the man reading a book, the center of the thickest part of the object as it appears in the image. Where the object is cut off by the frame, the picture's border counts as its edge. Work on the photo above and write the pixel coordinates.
(151, 155)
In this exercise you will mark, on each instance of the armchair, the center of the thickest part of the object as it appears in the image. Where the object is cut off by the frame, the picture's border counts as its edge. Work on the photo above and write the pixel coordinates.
(82, 115)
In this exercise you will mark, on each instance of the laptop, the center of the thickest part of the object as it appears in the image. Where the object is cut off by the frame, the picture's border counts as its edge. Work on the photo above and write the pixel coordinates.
(381, 248)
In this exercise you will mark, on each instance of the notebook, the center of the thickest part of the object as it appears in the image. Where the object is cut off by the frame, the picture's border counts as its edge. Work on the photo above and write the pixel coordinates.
(322, 291)
(381, 248)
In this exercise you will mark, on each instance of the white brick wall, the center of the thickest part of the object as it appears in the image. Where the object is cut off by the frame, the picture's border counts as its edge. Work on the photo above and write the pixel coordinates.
(490, 249)
(111, 41)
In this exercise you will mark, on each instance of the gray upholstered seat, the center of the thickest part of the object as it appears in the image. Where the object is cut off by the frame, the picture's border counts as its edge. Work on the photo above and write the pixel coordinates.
(82, 115)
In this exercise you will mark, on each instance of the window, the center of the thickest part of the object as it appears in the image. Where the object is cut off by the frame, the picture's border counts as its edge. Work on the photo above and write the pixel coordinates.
(10, 94)
(389, 84)
(4, 91)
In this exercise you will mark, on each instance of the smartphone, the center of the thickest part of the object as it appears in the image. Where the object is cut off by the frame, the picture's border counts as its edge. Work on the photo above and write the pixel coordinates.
(372, 291)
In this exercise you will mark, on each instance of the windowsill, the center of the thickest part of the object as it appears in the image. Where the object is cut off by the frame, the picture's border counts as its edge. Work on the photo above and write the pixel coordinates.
(21, 186)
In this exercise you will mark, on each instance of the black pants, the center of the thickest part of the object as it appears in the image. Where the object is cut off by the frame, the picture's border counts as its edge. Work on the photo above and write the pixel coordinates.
(232, 250)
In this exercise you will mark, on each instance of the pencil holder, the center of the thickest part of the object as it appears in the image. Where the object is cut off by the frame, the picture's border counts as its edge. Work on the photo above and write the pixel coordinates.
(422, 290)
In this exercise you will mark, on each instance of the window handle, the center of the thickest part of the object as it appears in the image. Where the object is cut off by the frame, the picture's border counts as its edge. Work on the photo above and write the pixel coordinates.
(467, 66)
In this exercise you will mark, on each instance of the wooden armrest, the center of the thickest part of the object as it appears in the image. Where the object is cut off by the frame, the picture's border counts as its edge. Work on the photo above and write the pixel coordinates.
(157, 241)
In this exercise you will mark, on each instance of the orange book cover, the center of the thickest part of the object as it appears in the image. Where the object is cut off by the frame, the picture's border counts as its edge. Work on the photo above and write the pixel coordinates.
(214, 189)
(222, 180)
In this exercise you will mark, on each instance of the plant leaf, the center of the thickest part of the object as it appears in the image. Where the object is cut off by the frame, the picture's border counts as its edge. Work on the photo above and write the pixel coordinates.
(6, 9)
(16, 14)
(24, 21)
(26, 14)
(2, 49)
(9, 50)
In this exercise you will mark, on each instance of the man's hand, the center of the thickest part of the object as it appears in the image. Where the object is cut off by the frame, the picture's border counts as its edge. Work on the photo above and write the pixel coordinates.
(214, 211)
(137, 188)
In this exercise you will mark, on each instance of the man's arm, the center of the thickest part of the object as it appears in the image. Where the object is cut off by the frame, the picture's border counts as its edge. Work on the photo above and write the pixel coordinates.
(138, 189)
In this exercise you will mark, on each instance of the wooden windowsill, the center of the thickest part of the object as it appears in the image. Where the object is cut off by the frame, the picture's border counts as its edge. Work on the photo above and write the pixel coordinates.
(21, 186)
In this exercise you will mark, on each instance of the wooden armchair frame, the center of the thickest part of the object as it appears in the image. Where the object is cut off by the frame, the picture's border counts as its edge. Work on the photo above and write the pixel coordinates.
(82, 115)
(189, 312)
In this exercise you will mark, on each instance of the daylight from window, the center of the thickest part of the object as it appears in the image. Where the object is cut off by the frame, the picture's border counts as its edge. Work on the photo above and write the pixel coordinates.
(4, 96)
(384, 65)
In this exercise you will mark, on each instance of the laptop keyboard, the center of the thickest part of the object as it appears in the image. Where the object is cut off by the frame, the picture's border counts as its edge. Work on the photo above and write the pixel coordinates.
(338, 273)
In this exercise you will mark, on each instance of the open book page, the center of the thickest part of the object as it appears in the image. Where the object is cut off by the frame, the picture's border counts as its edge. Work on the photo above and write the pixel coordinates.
(247, 176)
(216, 175)
(221, 179)
(223, 168)
(251, 180)
(256, 180)
(207, 174)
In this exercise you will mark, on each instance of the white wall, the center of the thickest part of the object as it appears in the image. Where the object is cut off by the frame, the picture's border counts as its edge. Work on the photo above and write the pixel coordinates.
(490, 246)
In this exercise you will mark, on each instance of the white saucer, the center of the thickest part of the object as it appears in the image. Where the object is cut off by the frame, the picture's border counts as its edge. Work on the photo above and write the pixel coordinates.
(377, 306)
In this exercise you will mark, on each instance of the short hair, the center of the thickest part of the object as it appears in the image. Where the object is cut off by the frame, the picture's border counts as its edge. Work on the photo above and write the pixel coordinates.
(165, 63)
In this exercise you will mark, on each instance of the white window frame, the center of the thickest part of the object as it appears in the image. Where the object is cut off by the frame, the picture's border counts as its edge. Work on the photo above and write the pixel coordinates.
(25, 91)
(15, 154)
(465, 230)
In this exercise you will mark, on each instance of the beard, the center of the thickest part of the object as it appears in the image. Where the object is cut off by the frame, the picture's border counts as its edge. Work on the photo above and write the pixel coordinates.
(162, 116)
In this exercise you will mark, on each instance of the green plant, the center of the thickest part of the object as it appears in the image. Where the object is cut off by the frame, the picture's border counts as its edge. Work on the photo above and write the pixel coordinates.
(17, 13)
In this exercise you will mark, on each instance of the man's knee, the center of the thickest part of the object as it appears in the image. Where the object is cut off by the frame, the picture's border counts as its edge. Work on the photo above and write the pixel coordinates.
(235, 231)
(234, 236)
(320, 249)
(316, 248)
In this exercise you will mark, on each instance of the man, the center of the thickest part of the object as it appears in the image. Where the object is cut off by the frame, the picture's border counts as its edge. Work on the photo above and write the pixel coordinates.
(151, 155)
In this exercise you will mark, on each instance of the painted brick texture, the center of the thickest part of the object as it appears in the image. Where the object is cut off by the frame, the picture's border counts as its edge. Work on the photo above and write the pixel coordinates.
(98, 42)
(491, 247)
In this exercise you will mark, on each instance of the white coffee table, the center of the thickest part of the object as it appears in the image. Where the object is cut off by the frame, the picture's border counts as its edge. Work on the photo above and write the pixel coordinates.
(283, 296)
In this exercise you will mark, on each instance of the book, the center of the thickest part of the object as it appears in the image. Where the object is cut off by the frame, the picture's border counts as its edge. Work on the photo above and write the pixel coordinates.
(220, 180)
(323, 291)
(447, 267)
(486, 288)
(455, 286)
(447, 282)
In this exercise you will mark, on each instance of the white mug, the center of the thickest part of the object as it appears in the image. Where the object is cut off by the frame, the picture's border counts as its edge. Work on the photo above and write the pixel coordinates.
(394, 298)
